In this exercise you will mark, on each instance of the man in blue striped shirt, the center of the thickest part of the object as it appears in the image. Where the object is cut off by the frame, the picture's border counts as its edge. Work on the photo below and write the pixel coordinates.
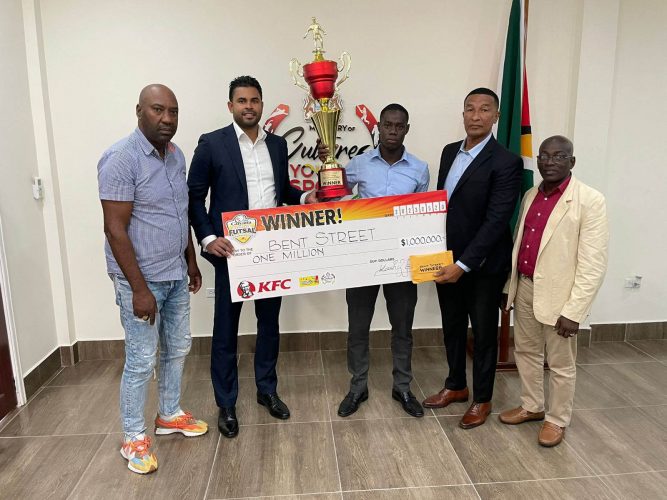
(151, 260)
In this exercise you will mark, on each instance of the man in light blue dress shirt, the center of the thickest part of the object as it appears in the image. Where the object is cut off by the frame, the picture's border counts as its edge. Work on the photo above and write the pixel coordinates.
(384, 171)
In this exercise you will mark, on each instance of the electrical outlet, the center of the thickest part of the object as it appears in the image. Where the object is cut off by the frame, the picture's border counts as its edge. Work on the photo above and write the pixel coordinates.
(210, 293)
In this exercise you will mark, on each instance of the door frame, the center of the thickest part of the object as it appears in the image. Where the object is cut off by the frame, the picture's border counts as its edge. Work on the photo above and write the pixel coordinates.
(11, 325)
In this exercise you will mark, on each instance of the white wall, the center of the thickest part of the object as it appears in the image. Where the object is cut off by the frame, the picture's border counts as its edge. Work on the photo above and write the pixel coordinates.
(22, 218)
(426, 54)
(636, 177)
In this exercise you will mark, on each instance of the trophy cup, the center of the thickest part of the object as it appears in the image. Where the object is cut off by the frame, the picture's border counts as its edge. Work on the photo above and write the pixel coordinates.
(323, 106)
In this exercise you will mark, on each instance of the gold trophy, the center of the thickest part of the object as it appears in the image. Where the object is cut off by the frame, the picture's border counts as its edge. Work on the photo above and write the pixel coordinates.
(323, 106)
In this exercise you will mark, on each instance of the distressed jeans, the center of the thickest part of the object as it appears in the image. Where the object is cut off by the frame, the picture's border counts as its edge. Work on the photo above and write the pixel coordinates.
(172, 331)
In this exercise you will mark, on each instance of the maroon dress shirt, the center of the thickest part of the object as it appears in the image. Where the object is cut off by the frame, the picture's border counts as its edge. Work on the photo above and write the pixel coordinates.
(533, 229)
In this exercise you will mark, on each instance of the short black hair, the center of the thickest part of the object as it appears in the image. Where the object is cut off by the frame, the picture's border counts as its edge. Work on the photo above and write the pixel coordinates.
(484, 91)
(244, 81)
(395, 107)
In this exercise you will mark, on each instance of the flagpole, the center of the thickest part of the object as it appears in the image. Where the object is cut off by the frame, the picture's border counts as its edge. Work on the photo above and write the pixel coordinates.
(504, 362)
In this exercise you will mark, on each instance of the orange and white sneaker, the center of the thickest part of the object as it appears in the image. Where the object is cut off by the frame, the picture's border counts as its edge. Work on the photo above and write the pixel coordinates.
(138, 455)
(184, 423)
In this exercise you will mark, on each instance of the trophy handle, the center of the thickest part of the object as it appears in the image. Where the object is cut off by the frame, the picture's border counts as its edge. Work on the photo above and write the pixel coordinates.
(296, 71)
(344, 68)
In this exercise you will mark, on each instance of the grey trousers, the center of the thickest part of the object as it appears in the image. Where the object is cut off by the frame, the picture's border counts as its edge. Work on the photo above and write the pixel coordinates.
(401, 300)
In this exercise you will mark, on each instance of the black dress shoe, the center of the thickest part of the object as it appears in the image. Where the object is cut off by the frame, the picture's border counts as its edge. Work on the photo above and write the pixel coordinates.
(227, 422)
(276, 407)
(351, 403)
(408, 402)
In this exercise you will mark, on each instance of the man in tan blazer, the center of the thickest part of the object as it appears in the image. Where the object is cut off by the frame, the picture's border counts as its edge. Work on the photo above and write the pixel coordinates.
(558, 264)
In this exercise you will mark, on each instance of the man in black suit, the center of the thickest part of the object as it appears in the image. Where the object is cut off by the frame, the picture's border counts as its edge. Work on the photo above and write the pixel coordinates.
(244, 168)
(483, 183)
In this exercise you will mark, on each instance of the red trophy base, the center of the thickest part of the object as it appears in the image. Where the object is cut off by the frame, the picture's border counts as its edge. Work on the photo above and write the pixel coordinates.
(332, 184)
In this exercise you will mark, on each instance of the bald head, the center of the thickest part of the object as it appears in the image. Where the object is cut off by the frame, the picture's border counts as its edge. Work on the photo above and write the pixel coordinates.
(559, 140)
(157, 115)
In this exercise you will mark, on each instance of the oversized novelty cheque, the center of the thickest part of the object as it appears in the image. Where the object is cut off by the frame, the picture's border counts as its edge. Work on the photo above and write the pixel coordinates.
(334, 245)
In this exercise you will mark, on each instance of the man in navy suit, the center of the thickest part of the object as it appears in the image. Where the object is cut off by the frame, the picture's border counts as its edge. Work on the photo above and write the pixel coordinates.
(483, 182)
(244, 168)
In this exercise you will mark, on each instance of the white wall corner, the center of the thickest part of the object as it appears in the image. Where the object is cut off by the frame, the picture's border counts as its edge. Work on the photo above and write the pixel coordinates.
(48, 170)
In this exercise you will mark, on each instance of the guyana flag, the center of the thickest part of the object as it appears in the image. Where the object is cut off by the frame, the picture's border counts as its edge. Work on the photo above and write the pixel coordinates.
(514, 123)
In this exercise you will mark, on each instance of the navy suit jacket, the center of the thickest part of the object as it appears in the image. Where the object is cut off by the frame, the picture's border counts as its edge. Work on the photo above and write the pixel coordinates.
(217, 165)
(481, 206)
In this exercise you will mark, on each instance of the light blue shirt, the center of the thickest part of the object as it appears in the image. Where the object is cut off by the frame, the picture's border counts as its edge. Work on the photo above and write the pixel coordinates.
(132, 170)
(374, 177)
(461, 163)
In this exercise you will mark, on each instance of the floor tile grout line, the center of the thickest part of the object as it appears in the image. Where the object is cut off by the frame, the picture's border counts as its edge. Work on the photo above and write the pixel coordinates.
(90, 463)
(60, 435)
(30, 400)
(611, 474)
(537, 480)
(642, 351)
(609, 489)
(333, 437)
(210, 474)
(457, 457)
(583, 461)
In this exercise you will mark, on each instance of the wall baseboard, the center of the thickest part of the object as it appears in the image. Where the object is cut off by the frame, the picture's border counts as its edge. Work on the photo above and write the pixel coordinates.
(42, 373)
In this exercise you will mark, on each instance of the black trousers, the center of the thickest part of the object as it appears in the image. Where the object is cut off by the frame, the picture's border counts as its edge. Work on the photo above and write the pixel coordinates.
(224, 371)
(401, 299)
(475, 296)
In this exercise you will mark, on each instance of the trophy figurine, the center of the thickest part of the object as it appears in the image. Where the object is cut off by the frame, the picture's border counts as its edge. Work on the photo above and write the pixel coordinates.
(323, 106)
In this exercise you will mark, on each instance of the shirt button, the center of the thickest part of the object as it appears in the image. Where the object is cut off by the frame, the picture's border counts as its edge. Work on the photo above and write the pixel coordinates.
(525, 262)
(545, 199)
(539, 214)
(527, 246)
(532, 230)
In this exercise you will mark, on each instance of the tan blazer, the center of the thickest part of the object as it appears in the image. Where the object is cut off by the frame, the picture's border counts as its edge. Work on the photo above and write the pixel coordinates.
(572, 258)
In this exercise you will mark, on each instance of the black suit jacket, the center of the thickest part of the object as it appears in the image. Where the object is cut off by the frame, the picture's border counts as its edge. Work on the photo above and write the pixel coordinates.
(481, 206)
(217, 165)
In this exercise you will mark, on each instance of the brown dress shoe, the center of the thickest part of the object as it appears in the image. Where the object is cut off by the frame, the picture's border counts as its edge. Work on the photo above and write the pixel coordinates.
(445, 397)
(550, 434)
(519, 416)
(476, 415)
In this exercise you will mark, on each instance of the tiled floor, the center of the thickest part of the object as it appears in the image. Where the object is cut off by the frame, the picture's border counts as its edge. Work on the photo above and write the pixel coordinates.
(64, 443)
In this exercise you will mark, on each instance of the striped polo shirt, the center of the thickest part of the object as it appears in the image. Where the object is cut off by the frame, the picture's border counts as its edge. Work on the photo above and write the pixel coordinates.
(132, 170)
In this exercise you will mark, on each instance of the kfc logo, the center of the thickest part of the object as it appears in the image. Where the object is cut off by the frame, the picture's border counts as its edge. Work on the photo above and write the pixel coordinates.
(247, 289)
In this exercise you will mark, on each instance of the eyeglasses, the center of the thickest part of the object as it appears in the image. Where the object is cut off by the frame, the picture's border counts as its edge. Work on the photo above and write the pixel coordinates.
(556, 158)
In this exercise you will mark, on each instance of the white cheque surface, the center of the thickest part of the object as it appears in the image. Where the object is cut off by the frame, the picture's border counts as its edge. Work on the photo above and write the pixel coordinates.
(329, 246)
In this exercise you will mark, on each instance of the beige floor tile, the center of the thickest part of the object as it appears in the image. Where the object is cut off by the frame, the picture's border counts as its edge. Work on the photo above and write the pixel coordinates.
(183, 470)
(68, 410)
(590, 488)
(619, 440)
(432, 493)
(289, 363)
(379, 404)
(275, 460)
(305, 396)
(197, 368)
(641, 486)
(640, 383)
(498, 452)
(655, 348)
(429, 358)
(90, 372)
(610, 352)
(395, 453)
(44, 467)
(591, 394)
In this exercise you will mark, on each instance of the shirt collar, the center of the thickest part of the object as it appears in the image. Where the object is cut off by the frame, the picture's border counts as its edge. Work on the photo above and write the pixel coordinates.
(375, 153)
(147, 147)
(475, 150)
(561, 187)
(239, 132)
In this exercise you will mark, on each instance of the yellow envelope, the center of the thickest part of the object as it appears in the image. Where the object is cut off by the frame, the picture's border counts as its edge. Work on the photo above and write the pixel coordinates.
(424, 266)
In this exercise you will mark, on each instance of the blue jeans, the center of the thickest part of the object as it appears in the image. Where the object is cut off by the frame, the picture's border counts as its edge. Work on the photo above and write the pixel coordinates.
(172, 330)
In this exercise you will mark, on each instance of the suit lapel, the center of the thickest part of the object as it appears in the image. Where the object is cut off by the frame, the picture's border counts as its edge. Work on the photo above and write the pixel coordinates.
(232, 145)
(483, 155)
(557, 215)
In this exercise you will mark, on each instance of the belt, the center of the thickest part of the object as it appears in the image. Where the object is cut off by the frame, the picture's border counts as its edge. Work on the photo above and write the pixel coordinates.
(521, 275)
